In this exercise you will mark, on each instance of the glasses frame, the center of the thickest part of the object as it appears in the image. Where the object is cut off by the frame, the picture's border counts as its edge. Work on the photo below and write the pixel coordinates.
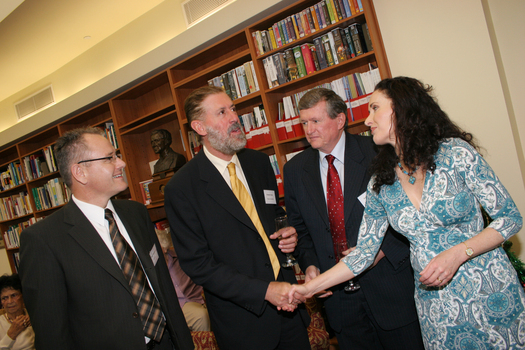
(112, 159)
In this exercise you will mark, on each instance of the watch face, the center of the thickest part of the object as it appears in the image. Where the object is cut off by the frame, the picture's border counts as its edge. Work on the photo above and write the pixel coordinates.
(469, 251)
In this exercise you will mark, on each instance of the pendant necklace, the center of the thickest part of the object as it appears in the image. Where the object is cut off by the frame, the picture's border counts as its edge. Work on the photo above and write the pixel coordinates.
(412, 178)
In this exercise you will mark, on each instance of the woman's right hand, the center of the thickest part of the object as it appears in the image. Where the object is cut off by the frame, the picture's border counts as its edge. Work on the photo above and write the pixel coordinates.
(18, 325)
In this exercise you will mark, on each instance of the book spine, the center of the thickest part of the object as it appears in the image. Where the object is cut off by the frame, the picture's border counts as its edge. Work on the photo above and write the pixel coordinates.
(289, 26)
(359, 5)
(304, 22)
(348, 10)
(340, 50)
(314, 56)
(320, 53)
(333, 47)
(342, 9)
(310, 20)
(299, 60)
(314, 18)
(328, 51)
(291, 65)
(320, 15)
(279, 69)
(272, 38)
(256, 82)
(368, 39)
(355, 31)
(308, 59)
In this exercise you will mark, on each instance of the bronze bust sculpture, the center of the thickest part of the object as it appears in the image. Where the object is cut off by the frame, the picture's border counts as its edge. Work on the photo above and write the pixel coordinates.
(168, 158)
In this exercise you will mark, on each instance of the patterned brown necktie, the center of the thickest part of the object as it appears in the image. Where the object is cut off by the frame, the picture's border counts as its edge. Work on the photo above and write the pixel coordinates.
(147, 304)
(335, 203)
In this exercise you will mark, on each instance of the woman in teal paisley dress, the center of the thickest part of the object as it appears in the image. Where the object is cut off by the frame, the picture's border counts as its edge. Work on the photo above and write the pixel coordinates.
(428, 183)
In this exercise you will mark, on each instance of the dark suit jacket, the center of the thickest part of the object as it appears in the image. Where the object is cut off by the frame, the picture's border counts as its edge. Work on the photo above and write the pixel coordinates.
(75, 292)
(389, 286)
(220, 249)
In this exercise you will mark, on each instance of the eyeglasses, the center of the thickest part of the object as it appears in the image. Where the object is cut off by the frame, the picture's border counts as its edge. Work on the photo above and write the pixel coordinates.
(112, 159)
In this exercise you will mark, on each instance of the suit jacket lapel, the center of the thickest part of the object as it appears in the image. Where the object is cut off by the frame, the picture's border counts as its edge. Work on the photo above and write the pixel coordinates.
(313, 183)
(85, 234)
(217, 189)
(354, 174)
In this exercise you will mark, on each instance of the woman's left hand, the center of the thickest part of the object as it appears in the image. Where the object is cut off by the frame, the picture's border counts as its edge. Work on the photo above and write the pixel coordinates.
(441, 269)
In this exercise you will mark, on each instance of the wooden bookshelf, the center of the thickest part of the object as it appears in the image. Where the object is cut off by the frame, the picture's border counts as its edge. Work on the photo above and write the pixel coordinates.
(157, 102)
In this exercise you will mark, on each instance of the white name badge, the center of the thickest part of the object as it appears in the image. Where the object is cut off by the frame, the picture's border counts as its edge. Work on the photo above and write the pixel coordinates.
(154, 255)
(269, 197)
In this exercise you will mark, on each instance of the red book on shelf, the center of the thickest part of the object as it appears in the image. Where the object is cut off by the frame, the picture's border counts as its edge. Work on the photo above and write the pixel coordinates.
(289, 129)
(266, 137)
(364, 104)
(281, 131)
(297, 127)
(356, 108)
(308, 59)
(249, 142)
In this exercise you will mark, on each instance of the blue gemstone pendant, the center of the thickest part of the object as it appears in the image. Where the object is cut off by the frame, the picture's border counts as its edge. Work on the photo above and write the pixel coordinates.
(411, 178)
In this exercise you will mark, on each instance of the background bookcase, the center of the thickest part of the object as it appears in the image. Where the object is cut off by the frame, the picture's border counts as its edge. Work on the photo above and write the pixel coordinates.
(157, 103)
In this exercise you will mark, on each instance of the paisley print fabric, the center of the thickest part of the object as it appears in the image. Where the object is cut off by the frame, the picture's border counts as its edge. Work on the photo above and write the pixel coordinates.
(482, 307)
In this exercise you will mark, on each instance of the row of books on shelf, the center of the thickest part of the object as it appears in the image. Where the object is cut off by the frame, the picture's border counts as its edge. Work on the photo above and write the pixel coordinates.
(305, 22)
(256, 128)
(40, 164)
(109, 131)
(237, 82)
(51, 194)
(15, 206)
(12, 235)
(354, 89)
(12, 176)
(330, 49)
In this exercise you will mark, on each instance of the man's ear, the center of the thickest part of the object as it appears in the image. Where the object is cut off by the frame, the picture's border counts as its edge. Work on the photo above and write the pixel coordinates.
(199, 128)
(341, 118)
(78, 173)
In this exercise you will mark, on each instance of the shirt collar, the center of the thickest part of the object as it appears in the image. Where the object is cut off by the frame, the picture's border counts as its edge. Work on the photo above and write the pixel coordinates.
(94, 213)
(219, 163)
(338, 152)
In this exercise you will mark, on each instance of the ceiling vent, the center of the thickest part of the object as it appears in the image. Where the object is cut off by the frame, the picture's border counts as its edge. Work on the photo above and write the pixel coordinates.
(197, 10)
(34, 103)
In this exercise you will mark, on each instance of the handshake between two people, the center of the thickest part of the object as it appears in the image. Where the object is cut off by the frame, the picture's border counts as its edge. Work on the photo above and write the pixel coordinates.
(284, 295)
(287, 297)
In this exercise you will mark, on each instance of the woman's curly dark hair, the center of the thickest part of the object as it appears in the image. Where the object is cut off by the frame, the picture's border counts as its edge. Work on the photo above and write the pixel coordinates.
(420, 125)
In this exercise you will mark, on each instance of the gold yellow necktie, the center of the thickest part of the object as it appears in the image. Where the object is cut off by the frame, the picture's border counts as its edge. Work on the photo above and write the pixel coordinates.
(246, 201)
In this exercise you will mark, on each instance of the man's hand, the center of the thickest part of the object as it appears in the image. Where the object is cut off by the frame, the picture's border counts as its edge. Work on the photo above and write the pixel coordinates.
(287, 239)
(311, 273)
(277, 294)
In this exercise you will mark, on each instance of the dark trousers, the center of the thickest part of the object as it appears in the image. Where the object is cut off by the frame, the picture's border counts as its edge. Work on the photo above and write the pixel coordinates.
(361, 331)
(293, 333)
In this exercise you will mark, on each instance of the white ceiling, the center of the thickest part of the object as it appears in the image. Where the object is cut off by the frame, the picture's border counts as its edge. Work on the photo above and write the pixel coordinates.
(40, 36)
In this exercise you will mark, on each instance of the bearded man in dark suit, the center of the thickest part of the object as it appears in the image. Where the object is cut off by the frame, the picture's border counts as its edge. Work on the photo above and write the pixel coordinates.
(227, 251)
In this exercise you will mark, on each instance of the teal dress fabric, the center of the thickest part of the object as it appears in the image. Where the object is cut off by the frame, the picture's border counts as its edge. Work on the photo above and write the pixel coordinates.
(483, 306)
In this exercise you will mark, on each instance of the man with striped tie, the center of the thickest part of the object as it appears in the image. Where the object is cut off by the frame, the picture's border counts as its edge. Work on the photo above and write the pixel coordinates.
(93, 273)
